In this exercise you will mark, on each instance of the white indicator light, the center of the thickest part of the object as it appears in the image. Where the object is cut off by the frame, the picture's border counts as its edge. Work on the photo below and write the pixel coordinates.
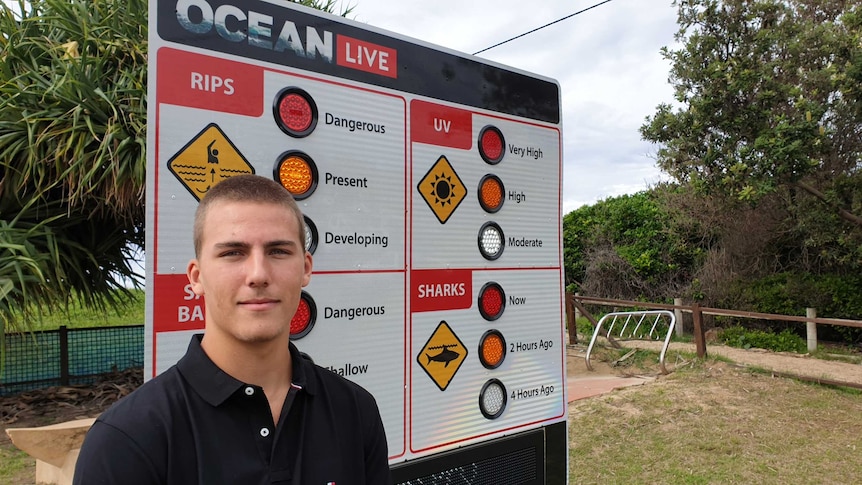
(492, 399)
(491, 241)
(310, 234)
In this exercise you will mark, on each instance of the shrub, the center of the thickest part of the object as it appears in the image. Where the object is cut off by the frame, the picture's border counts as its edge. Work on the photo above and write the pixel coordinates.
(585, 327)
(834, 296)
(784, 341)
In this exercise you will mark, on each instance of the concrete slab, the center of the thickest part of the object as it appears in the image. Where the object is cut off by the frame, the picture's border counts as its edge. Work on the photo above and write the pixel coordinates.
(581, 387)
(55, 448)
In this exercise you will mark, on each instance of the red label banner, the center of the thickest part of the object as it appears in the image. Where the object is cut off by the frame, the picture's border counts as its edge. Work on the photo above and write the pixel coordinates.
(441, 289)
(366, 56)
(441, 125)
(178, 307)
(209, 83)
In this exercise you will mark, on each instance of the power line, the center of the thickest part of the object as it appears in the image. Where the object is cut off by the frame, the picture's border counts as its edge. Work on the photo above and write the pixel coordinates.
(542, 27)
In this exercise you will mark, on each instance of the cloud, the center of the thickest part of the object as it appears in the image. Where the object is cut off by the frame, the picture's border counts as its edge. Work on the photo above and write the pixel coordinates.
(607, 61)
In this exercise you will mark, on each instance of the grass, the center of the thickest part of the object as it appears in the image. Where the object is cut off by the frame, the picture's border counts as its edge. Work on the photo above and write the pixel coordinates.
(710, 422)
(838, 353)
(13, 462)
(78, 316)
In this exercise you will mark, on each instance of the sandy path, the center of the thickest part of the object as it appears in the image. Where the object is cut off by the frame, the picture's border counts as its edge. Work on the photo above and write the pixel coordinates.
(796, 364)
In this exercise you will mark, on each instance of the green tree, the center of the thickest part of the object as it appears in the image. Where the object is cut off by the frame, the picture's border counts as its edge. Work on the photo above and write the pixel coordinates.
(769, 98)
(629, 247)
(72, 151)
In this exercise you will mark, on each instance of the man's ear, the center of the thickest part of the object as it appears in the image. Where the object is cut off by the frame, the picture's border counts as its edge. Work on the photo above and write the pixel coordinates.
(193, 272)
(309, 264)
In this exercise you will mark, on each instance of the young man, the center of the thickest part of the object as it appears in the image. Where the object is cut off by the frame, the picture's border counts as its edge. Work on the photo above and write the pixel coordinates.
(242, 406)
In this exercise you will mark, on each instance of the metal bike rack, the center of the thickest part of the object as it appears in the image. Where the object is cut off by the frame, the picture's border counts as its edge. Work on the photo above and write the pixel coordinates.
(639, 320)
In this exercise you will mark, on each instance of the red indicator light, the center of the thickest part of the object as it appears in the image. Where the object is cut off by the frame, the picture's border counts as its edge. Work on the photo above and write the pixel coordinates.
(297, 173)
(303, 320)
(295, 112)
(492, 301)
(492, 145)
(491, 192)
(492, 349)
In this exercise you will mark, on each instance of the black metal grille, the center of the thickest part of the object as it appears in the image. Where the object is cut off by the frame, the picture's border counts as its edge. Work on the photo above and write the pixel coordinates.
(512, 468)
(68, 356)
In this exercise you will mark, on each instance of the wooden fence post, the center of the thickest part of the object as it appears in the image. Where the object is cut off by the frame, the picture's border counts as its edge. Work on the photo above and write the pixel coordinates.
(571, 323)
(811, 329)
(63, 335)
(677, 315)
(699, 337)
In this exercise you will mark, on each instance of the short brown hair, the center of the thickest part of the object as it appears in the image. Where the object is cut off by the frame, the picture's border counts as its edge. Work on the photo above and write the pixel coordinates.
(246, 188)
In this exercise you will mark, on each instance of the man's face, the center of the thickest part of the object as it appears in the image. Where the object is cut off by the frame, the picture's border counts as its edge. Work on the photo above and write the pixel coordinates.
(251, 270)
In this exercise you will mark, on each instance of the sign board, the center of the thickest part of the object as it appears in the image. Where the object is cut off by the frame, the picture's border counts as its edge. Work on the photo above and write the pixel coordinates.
(436, 177)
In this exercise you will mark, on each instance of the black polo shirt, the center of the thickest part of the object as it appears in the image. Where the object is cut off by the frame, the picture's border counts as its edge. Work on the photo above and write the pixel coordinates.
(194, 424)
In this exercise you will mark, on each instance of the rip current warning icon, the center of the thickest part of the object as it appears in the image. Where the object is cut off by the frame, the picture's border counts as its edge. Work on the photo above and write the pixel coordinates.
(442, 189)
(207, 160)
(442, 355)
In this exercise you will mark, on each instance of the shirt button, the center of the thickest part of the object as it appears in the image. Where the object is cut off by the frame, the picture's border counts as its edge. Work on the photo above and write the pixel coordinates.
(249, 391)
(264, 432)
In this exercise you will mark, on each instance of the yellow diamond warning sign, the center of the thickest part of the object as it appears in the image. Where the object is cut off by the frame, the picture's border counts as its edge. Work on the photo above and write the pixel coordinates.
(207, 160)
(442, 355)
(442, 189)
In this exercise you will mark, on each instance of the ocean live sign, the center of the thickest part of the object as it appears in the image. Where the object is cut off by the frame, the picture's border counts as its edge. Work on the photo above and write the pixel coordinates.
(430, 186)
(236, 24)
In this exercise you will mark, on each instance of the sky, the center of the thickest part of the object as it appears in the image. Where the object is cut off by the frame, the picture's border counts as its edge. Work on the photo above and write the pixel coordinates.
(606, 59)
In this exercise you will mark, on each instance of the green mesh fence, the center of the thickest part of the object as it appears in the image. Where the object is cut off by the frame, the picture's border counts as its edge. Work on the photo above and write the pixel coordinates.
(68, 356)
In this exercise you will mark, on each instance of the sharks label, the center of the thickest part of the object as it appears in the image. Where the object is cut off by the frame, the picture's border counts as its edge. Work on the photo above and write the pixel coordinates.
(442, 355)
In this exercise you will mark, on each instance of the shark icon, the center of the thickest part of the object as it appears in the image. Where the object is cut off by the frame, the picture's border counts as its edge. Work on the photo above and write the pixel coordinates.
(444, 356)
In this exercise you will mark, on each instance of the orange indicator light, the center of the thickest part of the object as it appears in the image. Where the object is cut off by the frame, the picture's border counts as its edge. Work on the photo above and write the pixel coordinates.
(297, 173)
(491, 193)
(492, 349)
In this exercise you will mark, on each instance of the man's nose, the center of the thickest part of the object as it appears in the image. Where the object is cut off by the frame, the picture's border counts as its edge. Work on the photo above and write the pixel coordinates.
(258, 269)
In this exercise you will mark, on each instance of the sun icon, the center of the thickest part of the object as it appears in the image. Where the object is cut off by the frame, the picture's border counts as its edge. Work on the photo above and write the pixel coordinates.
(443, 189)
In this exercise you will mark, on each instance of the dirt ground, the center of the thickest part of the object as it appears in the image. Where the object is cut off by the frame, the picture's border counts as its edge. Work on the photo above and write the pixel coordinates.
(781, 363)
(59, 404)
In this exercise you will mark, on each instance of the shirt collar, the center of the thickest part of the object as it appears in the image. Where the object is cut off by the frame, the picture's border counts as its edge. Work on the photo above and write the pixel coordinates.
(303, 370)
(215, 386)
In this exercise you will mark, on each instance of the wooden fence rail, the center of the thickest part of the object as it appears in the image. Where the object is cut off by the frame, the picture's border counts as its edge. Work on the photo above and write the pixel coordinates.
(810, 319)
